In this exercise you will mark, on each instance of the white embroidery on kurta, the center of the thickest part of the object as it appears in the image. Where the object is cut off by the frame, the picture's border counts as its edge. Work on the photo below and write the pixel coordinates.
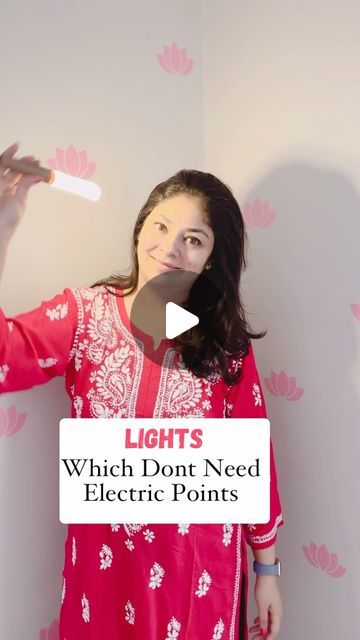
(115, 527)
(78, 405)
(228, 531)
(73, 552)
(88, 294)
(4, 370)
(130, 545)
(203, 585)
(180, 392)
(228, 409)
(234, 365)
(218, 630)
(48, 362)
(131, 529)
(236, 591)
(183, 529)
(236, 583)
(113, 362)
(156, 575)
(59, 312)
(85, 608)
(10, 325)
(149, 535)
(129, 613)
(265, 537)
(63, 591)
(113, 377)
(116, 372)
(257, 395)
(106, 557)
(173, 629)
(250, 527)
(79, 354)
(118, 368)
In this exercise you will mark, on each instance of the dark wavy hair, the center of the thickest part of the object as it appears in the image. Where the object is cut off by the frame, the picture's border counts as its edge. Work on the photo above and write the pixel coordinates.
(223, 331)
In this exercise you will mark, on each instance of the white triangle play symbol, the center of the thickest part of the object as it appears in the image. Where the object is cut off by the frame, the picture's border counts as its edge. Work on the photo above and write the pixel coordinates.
(178, 320)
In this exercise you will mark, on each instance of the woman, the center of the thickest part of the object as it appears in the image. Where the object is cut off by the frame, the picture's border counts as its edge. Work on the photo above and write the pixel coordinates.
(154, 582)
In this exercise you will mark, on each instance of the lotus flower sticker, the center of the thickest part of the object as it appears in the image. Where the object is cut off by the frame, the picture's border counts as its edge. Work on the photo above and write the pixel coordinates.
(258, 214)
(74, 162)
(321, 558)
(280, 384)
(355, 308)
(175, 60)
(11, 421)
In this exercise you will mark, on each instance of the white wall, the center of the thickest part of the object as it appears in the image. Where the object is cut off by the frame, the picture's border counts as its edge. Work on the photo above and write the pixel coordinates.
(87, 74)
(282, 98)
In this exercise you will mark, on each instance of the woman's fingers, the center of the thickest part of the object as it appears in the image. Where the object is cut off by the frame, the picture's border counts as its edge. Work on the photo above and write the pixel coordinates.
(274, 626)
(9, 153)
(12, 177)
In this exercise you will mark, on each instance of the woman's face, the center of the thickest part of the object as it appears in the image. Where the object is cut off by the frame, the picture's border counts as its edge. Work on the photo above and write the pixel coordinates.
(174, 236)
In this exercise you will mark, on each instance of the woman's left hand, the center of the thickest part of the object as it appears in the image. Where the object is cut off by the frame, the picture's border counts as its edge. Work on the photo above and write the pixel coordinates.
(270, 608)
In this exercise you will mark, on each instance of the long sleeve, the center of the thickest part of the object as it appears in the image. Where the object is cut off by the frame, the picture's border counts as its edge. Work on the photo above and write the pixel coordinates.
(37, 346)
(245, 400)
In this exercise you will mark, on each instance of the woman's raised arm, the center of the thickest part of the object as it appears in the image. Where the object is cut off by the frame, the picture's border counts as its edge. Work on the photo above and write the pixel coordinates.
(37, 345)
(14, 189)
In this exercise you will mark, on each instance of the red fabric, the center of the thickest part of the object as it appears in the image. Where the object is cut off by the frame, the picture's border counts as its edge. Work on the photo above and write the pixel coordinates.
(138, 582)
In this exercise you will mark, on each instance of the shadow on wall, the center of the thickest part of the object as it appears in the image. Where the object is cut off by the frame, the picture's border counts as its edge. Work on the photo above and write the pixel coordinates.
(300, 284)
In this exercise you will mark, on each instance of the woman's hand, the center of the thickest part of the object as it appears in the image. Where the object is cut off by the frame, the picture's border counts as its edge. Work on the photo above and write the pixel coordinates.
(270, 608)
(14, 188)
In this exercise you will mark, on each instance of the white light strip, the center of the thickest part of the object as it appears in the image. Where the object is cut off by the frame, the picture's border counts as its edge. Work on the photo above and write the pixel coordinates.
(80, 187)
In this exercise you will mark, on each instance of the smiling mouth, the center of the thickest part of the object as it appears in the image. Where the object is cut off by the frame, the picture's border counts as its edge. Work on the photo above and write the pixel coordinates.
(165, 264)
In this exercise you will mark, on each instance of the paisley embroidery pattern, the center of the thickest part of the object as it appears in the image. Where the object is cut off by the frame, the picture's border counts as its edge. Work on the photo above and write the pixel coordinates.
(108, 357)
(129, 613)
(114, 362)
(131, 529)
(228, 531)
(173, 629)
(181, 393)
(204, 584)
(85, 608)
(47, 362)
(156, 575)
(218, 630)
(59, 312)
(106, 557)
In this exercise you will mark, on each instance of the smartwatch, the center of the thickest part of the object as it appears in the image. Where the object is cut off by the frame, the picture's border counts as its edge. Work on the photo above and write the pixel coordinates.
(267, 569)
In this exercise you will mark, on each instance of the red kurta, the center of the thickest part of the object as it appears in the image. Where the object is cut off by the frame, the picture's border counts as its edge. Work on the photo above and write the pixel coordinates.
(138, 582)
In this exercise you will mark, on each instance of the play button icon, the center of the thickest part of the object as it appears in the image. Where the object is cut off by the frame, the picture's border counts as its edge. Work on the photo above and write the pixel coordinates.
(178, 320)
(172, 309)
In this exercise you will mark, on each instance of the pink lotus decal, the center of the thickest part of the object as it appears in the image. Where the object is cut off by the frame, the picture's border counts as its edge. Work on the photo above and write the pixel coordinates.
(355, 308)
(320, 558)
(279, 384)
(52, 633)
(175, 60)
(11, 421)
(258, 215)
(72, 161)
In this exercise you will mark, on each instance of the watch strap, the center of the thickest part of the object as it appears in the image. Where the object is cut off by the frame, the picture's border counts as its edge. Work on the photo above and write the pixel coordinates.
(267, 569)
